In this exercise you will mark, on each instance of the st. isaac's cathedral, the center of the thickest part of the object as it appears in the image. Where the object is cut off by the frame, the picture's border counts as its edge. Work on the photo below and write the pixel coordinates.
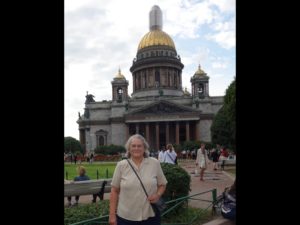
(159, 108)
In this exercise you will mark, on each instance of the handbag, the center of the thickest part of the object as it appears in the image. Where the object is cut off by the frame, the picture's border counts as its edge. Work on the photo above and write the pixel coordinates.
(158, 206)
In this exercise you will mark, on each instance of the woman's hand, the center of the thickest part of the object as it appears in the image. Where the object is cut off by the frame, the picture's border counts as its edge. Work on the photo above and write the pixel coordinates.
(112, 219)
(153, 198)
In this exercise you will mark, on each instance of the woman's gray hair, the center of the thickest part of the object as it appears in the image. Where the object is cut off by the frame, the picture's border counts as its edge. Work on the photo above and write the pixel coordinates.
(140, 137)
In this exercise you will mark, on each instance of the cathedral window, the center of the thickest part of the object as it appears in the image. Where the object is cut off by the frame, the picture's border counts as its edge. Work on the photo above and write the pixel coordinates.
(119, 94)
(157, 78)
(175, 80)
(200, 90)
(101, 137)
(101, 141)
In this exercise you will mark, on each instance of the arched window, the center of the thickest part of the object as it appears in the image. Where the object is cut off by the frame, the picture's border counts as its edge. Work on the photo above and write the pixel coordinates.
(101, 140)
(119, 94)
(200, 90)
(101, 137)
(157, 78)
(175, 80)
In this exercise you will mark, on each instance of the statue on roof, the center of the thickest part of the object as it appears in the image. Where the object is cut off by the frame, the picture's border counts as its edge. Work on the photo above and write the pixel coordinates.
(89, 98)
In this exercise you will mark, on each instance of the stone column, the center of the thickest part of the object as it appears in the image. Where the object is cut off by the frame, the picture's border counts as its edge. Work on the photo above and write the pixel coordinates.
(177, 133)
(187, 131)
(147, 133)
(137, 128)
(198, 130)
(127, 131)
(157, 135)
(167, 133)
(207, 89)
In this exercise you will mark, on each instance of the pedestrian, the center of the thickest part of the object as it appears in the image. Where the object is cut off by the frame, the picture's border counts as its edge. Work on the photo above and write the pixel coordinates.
(170, 155)
(161, 155)
(202, 160)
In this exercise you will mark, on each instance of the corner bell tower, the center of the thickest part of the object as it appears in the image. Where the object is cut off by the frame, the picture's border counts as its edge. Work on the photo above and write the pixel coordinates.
(119, 88)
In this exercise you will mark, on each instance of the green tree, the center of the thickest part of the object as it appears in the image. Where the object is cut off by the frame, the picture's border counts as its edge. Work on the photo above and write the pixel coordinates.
(223, 129)
(72, 145)
(190, 145)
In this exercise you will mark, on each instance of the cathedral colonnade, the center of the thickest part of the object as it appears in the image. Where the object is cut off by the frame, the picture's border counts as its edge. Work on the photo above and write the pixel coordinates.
(159, 134)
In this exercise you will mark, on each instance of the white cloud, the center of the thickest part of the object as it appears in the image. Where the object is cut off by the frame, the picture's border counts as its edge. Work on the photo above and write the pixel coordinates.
(224, 5)
(101, 36)
(224, 33)
(184, 19)
(219, 65)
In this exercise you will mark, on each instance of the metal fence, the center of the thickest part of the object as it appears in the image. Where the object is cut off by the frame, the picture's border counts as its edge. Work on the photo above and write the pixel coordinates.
(172, 205)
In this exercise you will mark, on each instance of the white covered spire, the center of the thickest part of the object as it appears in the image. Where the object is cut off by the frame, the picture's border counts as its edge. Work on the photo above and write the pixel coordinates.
(155, 18)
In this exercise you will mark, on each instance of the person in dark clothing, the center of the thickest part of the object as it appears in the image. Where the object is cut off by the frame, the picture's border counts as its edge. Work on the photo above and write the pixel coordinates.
(215, 158)
(228, 208)
(81, 177)
(71, 158)
(75, 159)
(92, 158)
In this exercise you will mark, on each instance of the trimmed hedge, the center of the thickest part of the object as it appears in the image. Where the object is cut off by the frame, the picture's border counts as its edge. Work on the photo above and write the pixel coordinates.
(90, 211)
(85, 212)
(110, 149)
(178, 181)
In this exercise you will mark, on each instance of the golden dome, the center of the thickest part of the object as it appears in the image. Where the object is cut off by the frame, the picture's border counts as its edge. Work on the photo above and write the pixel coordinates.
(156, 37)
(119, 75)
(199, 72)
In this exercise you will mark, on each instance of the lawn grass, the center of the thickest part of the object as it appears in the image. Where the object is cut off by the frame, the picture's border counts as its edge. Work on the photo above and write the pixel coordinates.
(91, 170)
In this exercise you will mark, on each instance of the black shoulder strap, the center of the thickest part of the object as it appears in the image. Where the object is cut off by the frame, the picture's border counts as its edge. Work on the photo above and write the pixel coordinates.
(138, 178)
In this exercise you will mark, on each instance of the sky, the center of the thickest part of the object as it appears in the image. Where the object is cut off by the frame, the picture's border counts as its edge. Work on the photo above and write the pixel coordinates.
(102, 36)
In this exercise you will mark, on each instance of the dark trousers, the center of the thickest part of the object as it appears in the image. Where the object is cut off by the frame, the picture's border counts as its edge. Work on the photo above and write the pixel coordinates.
(150, 221)
(77, 198)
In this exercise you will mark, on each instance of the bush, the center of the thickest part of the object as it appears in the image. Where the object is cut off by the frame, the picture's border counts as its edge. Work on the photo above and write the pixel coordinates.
(191, 145)
(178, 181)
(208, 145)
(101, 157)
(85, 212)
(178, 184)
(91, 211)
(110, 149)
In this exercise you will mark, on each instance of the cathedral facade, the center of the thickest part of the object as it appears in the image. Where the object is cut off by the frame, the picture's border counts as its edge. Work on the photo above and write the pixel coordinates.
(159, 108)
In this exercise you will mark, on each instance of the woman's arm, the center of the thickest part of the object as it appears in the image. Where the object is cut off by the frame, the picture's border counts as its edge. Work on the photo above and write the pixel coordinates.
(114, 195)
(160, 190)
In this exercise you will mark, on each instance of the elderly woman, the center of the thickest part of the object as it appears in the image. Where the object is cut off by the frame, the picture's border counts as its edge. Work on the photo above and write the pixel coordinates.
(129, 204)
